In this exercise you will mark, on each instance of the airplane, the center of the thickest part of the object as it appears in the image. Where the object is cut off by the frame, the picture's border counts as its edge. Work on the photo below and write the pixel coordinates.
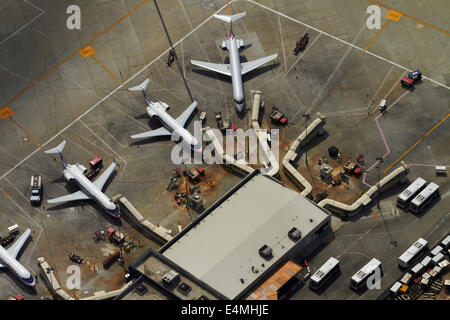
(8, 259)
(170, 126)
(89, 190)
(235, 69)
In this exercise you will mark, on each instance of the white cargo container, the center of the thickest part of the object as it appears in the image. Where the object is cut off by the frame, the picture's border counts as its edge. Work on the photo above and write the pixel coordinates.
(436, 250)
(406, 278)
(437, 258)
(426, 261)
(446, 242)
(394, 289)
(417, 268)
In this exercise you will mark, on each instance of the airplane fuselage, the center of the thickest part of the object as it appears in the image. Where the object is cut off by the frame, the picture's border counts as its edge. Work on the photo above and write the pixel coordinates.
(236, 75)
(158, 110)
(16, 267)
(73, 172)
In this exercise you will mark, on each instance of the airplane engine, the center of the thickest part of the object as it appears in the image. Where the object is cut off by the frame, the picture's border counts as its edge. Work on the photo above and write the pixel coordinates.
(67, 176)
(164, 106)
(150, 113)
(223, 46)
(241, 44)
(82, 168)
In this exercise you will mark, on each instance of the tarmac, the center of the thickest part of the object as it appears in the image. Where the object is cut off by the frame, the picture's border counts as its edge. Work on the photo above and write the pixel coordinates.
(346, 69)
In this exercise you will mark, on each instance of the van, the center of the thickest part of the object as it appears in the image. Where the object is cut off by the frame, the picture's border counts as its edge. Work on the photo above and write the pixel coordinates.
(13, 229)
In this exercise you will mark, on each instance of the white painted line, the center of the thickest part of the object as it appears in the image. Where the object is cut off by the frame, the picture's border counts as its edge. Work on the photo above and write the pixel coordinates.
(282, 43)
(23, 27)
(301, 56)
(110, 94)
(346, 42)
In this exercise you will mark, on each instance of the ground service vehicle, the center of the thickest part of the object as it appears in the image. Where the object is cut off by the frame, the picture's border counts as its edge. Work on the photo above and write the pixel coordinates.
(36, 190)
(359, 279)
(410, 192)
(424, 198)
(413, 252)
(326, 271)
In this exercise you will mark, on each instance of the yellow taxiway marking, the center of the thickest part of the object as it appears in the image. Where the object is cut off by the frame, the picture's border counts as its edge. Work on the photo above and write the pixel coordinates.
(6, 112)
(394, 15)
(407, 15)
(87, 52)
(415, 144)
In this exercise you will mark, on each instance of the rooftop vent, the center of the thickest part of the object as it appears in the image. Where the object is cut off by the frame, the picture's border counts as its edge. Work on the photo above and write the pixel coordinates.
(266, 252)
(141, 290)
(294, 234)
(184, 288)
(171, 278)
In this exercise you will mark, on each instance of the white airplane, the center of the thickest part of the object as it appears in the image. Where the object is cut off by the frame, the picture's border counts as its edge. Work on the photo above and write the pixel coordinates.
(89, 190)
(8, 259)
(170, 126)
(235, 69)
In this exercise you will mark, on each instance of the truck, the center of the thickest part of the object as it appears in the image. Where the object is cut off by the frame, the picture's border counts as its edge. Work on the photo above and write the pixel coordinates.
(36, 190)
(115, 236)
(14, 229)
(301, 44)
(278, 117)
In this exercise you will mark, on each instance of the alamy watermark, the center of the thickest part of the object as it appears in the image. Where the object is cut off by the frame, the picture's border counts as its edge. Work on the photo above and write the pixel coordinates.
(374, 20)
(73, 22)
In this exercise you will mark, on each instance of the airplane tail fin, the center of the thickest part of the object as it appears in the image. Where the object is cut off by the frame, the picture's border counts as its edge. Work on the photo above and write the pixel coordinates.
(141, 87)
(59, 149)
(230, 19)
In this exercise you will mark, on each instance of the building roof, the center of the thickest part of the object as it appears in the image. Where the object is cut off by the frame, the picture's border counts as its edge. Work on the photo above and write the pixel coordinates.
(269, 289)
(223, 247)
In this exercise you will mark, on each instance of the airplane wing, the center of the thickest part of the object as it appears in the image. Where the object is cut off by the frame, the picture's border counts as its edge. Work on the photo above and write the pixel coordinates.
(186, 114)
(249, 66)
(154, 133)
(17, 246)
(79, 195)
(217, 67)
(100, 181)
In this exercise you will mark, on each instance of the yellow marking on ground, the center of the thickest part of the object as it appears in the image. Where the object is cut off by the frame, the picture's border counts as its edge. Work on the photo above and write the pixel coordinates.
(371, 42)
(394, 15)
(29, 135)
(6, 112)
(330, 240)
(87, 52)
(407, 15)
(117, 79)
(72, 55)
(415, 144)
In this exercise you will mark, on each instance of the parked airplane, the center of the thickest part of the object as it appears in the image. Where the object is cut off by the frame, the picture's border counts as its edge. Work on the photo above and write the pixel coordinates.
(8, 259)
(171, 126)
(235, 69)
(89, 190)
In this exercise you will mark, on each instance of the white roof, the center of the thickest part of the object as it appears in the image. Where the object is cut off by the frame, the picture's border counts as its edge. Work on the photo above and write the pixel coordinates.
(437, 258)
(367, 269)
(324, 269)
(222, 248)
(412, 251)
(425, 193)
(397, 285)
(425, 261)
(412, 188)
(446, 241)
(417, 268)
(436, 250)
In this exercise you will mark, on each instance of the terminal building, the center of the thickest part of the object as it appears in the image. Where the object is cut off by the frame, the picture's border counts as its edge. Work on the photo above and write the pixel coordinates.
(245, 240)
